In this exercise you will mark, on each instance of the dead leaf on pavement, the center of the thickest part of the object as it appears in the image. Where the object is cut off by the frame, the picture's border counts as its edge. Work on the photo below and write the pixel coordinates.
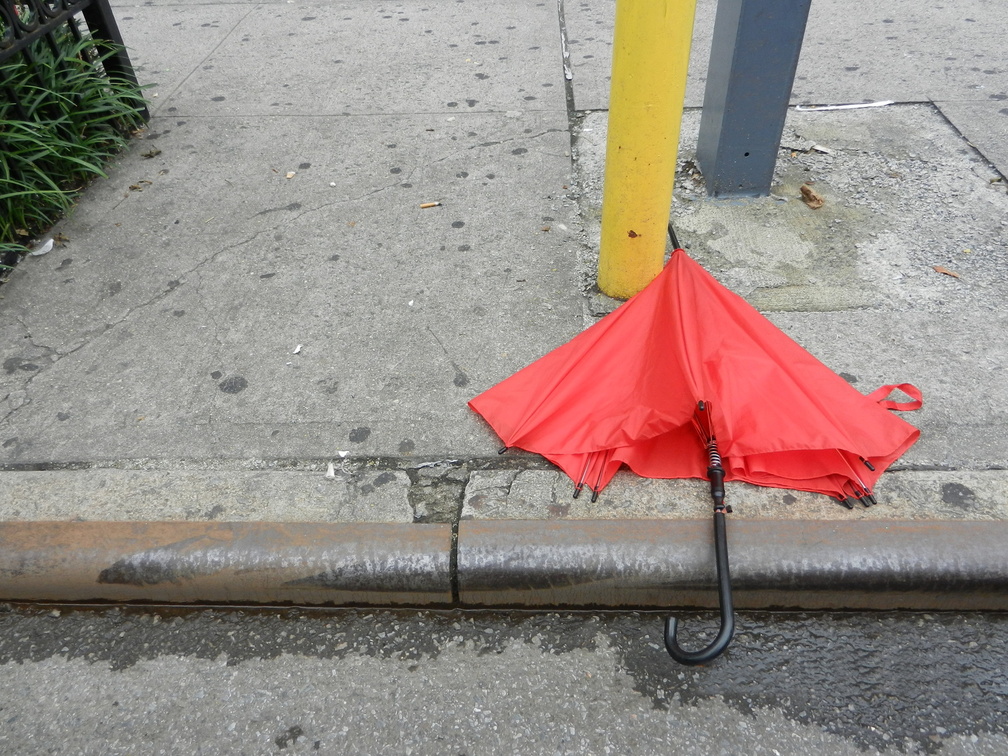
(150, 153)
(945, 271)
(811, 198)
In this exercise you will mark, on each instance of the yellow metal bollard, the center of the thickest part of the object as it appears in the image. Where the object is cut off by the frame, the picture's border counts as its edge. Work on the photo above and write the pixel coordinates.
(651, 48)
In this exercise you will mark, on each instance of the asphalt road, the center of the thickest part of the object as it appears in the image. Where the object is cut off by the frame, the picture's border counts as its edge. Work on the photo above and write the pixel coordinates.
(205, 681)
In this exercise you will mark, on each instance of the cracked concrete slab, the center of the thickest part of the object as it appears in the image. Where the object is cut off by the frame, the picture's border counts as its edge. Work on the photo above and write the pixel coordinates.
(852, 52)
(985, 124)
(479, 57)
(943, 495)
(899, 51)
(166, 45)
(208, 495)
(195, 335)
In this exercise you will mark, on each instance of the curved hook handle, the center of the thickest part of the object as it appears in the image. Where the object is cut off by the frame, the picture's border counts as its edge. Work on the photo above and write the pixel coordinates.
(724, 636)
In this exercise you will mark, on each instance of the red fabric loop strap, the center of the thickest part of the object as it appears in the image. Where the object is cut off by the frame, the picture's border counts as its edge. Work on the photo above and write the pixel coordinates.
(880, 394)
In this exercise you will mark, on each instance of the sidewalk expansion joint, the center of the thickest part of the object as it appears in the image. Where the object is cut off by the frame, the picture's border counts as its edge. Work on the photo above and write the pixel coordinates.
(568, 71)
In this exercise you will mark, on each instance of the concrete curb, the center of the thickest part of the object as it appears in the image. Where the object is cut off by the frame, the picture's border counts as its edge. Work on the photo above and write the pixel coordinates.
(623, 564)
(193, 562)
(774, 563)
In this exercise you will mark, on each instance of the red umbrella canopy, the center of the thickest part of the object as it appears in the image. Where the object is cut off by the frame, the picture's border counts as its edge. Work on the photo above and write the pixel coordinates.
(625, 391)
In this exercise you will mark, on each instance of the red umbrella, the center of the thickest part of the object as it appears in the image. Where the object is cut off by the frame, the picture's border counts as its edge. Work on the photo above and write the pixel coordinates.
(687, 380)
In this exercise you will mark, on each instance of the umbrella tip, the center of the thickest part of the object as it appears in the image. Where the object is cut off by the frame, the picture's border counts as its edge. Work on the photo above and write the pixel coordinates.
(594, 497)
(502, 450)
(673, 238)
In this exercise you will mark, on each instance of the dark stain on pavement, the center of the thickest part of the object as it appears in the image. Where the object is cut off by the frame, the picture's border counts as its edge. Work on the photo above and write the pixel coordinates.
(289, 207)
(291, 735)
(360, 435)
(378, 482)
(19, 364)
(234, 384)
(329, 385)
(959, 496)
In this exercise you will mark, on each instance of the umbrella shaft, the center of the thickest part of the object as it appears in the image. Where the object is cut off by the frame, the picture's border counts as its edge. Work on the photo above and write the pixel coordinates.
(716, 474)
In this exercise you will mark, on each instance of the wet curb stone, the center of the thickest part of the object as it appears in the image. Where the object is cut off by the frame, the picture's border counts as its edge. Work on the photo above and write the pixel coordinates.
(954, 565)
(258, 563)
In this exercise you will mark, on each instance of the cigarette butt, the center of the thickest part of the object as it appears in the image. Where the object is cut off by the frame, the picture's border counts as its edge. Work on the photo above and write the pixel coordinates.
(425, 205)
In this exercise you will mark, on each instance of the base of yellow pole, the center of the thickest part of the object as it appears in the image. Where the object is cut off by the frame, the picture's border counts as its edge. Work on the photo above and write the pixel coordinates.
(650, 58)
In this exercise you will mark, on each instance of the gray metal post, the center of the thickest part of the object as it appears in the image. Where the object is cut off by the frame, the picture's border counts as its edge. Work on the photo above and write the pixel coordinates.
(753, 60)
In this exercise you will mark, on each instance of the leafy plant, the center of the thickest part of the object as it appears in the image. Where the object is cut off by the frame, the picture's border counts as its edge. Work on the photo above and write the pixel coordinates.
(61, 119)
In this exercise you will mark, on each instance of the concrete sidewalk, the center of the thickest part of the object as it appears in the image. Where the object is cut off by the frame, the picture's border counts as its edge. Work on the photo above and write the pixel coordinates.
(254, 321)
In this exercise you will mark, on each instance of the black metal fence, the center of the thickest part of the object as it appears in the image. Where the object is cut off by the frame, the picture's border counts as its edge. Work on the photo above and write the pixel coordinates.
(23, 23)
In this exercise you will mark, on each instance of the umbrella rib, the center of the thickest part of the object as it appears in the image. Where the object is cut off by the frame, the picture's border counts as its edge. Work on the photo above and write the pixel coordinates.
(584, 474)
(598, 480)
(866, 497)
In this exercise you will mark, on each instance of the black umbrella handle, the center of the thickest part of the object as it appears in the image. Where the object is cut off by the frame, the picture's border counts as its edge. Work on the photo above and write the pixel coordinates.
(717, 492)
(724, 636)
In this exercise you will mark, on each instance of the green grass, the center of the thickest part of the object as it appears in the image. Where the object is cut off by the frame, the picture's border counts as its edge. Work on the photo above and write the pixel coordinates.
(72, 119)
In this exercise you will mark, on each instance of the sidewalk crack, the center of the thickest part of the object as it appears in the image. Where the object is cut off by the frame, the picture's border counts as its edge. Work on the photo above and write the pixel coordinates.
(92, 336)
(199, 66)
